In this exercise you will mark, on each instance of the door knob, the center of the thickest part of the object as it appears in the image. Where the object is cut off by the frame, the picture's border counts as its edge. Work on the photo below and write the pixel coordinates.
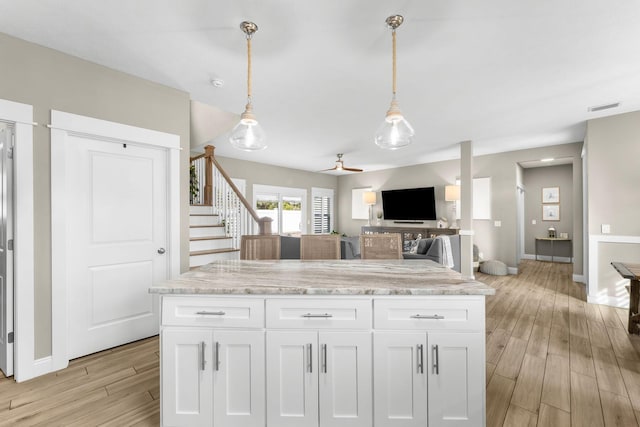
(161, 251)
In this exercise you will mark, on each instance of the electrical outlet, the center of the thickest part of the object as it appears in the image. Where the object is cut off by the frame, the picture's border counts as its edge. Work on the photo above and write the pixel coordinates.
(497, 223)
(534, 222)
(606, 228)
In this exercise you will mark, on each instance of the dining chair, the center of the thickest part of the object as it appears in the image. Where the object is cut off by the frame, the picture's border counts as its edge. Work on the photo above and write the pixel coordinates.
(319, 246)
(381, 246)
(259, 247)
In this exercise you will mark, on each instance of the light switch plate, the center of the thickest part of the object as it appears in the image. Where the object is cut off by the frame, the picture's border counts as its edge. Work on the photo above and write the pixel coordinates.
(606, 228)
(497, 223)
(534, 222)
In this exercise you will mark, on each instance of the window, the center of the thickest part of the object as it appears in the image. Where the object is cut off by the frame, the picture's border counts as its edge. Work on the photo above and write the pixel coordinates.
(286, 206)
(322, 210)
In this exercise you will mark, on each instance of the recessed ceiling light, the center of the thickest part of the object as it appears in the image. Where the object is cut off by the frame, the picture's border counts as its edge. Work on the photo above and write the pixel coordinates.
(551, 159)
(217, 82)
(603, 107)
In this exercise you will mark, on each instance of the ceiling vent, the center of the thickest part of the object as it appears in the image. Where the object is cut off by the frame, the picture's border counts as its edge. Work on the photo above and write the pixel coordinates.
(603, 107)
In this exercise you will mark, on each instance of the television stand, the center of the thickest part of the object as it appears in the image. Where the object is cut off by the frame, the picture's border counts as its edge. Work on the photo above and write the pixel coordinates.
(409, 233)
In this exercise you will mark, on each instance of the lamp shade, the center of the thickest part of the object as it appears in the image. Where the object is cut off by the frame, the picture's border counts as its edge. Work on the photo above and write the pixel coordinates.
(452, 193)
(369, 197)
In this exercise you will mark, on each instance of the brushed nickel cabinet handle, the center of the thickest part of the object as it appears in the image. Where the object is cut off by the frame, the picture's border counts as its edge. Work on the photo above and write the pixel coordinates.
(211, 313)
(420, 359)
(202, 359)
(324, 315)
(424, 316)
(310, 357)
(217, 355)
(324, 358)
(436, 360)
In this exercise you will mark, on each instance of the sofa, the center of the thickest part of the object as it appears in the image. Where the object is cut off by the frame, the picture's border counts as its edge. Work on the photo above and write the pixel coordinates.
(432, 248)
(290, 247)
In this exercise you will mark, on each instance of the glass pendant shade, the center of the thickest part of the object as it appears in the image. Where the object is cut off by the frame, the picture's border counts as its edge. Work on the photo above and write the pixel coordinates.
(248, 135)
(395, 131)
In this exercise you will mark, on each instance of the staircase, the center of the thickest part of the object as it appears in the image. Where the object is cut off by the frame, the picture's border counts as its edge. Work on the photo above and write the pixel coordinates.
(207, 237)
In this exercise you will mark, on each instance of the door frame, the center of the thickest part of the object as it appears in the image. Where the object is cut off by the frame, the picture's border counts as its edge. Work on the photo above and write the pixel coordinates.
(65, 124)
(21, 116)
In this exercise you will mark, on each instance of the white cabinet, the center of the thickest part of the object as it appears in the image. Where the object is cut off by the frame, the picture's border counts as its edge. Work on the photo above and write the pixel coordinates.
(212, 376)
(187, 381)
(319, 374)
(342, 361)
(399, 379)
(456, 379)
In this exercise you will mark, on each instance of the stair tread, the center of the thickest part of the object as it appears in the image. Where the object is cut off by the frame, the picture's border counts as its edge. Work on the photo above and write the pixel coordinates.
(204, 214)
(200, 226)
(213, 251)
(193, 239)
(202, 205)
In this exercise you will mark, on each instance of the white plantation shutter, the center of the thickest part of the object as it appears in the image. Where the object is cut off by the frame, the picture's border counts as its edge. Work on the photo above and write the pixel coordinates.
(322, 211)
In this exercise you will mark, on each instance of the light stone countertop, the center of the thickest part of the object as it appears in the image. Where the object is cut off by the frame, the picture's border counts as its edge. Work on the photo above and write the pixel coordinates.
(344, 277)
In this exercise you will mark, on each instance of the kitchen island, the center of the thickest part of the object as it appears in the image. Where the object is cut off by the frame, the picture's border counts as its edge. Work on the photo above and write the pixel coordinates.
(322, 343)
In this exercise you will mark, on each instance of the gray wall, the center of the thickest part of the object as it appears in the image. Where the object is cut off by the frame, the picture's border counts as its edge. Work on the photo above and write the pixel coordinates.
(534, 180)
(495, 242)
(48, 80)
(259, 173)
(613, 175)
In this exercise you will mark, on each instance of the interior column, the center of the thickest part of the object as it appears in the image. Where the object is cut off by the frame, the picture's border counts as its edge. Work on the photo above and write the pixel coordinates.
(466, 209)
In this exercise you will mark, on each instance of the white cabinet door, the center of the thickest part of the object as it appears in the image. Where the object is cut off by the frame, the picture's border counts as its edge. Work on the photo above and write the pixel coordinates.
(238, 379)
(400, 379)
(292, 378)
(456, 379)
(345, 379)
(187, 383)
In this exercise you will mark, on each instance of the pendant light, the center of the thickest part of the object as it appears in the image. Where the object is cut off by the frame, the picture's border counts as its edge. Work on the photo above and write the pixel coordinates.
(248, 134)
(395, 131)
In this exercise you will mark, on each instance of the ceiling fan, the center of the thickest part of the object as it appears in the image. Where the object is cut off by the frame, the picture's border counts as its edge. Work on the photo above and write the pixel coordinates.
(341, 167)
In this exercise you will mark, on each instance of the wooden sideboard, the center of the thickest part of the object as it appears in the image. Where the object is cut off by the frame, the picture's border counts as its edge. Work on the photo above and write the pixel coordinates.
(409, 233)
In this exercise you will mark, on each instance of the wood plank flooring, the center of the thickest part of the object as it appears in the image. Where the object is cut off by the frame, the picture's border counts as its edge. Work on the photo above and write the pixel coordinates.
(555, 360)
(552, 360)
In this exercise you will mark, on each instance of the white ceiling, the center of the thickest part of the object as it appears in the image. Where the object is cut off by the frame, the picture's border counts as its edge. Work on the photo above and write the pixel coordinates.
(505, 74)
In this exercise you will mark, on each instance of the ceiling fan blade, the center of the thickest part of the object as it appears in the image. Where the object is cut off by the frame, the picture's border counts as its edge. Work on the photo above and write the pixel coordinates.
(330, 169)
(352, 169)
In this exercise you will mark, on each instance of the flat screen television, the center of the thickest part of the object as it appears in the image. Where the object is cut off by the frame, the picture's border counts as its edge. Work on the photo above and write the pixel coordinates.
(411, 204)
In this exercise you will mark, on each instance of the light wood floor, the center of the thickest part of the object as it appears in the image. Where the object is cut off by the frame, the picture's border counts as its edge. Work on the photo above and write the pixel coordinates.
(555, 360)
(552, 360)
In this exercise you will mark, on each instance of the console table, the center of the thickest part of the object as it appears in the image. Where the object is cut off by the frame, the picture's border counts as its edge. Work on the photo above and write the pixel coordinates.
(409, 233)
(553, 240)
(631, 272)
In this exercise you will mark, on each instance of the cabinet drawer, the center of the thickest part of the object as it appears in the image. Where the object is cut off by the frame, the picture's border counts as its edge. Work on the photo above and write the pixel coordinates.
(222, 312)
(429, 313)
(318, 313)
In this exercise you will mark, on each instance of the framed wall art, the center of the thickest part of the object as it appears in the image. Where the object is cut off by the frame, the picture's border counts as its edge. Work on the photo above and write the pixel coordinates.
(551, 212)
(551, 195)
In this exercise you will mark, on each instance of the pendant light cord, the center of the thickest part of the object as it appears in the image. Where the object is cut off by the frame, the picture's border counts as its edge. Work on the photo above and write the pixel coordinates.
(249, 68)
(393, 33)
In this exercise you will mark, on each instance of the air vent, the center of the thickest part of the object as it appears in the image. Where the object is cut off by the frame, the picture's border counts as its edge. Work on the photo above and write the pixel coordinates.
(603, 107)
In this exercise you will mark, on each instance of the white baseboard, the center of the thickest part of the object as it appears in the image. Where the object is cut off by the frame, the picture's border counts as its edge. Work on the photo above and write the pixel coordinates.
(528, 256)
(621, 302)
(580, 278)
(547, 258)
(512, 270)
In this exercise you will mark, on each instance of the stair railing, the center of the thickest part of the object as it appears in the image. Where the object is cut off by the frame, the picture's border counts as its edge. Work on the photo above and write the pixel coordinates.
(216, 189)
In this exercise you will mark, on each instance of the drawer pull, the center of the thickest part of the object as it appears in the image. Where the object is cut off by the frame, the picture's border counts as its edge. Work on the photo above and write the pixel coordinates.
(211, 313)
(325, 315)
(424, 316)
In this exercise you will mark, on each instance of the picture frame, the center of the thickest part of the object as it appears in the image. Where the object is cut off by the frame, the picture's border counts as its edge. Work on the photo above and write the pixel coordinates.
(551, 212)
(551, 195)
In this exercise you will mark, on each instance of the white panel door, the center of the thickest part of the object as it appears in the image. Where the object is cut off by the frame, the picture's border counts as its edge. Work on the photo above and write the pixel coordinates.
(117, 215)
(187, 383)
(345, 383)
(6, 255)
(400, 379)
(456, 379)
(238, 379)
(292, 379)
